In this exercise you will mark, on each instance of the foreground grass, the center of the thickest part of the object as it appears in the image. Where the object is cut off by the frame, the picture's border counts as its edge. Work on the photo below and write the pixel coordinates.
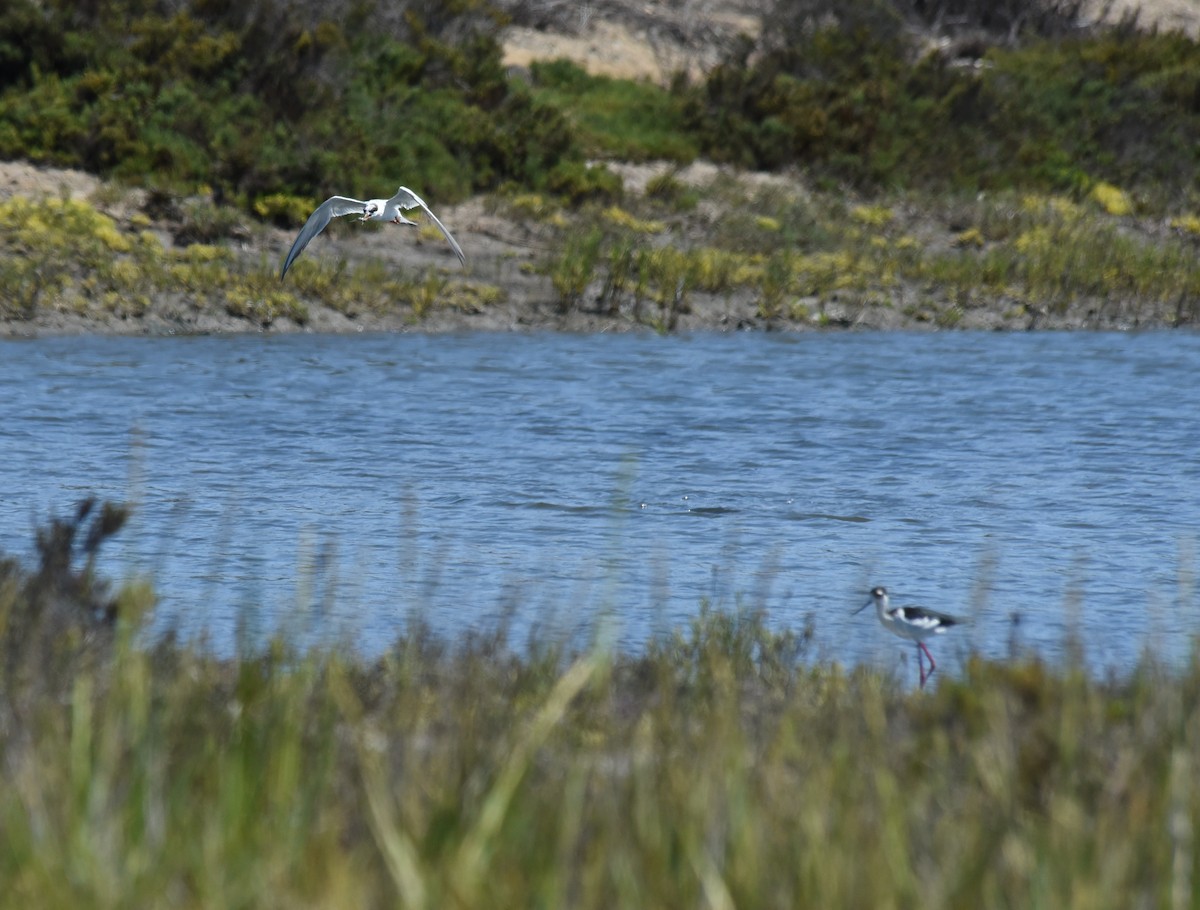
(714, 768)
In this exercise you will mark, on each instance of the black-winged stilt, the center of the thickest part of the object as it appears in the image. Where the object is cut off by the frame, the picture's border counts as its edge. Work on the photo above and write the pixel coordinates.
(913, 623)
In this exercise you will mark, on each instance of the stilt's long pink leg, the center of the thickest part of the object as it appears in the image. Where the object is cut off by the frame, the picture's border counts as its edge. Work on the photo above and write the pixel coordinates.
(932, 665)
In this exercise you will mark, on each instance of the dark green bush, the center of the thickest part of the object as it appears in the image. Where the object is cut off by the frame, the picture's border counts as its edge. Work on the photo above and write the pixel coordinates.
(256, 98)
(313, 97)
(854, 93)
(62, 606)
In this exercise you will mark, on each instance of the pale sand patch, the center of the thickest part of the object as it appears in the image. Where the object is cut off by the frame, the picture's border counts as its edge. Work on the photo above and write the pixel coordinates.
(646, 42)
(1167, 15)
(635, 176)
(19, 178)
(606, 49)
(630, 46)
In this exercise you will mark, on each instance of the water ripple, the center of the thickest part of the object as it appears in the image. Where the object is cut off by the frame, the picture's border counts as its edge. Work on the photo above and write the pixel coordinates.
(448, 475)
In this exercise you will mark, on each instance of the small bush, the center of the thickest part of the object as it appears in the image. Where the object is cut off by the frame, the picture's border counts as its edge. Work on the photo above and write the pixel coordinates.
(201, 221)
(284, 210)
(575, 269)
(669, 190)
(579, 183)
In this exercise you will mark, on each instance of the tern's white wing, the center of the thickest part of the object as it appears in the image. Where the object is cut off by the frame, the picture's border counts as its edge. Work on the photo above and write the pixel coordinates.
(407, 199)
(333, 207)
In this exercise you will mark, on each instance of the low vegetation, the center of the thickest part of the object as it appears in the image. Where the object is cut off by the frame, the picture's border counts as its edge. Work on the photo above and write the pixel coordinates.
(1020, 256)
(718, 765)
(781, 258)
(67, 256)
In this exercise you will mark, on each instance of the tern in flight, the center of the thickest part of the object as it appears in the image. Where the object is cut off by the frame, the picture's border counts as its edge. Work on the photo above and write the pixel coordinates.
(371, 210)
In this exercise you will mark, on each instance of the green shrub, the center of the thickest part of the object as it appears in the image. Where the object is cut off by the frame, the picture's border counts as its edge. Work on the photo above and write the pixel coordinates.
(847, 91)
(669, 190)
(202, 221)
(262, 98)
(574, 270)
(578, 183)
(615, 118)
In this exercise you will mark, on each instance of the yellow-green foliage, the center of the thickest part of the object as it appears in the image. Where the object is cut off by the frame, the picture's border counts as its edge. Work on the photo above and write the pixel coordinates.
(671, 272)
(264, 306)
(1061, 254)
(875, 216)
(284, 210)
(1046, 251)
(473, 297)
(532, 205)
(425, 294)
(1187, 224)
(50, 222)
(717, 271)
(1016, 253)
(47, 244)
(971, 237)
(778, 277)
(574, 270)
(620, 218)
(1112, 199)
(1044, 207)
(202, 252)
(668, 190)
(817, 274)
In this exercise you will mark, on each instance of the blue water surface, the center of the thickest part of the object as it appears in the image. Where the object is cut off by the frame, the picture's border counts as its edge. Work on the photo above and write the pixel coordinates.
(341, 485)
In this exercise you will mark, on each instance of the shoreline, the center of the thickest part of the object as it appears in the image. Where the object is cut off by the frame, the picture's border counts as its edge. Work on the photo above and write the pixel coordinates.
(383, 280)
(530, 320)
